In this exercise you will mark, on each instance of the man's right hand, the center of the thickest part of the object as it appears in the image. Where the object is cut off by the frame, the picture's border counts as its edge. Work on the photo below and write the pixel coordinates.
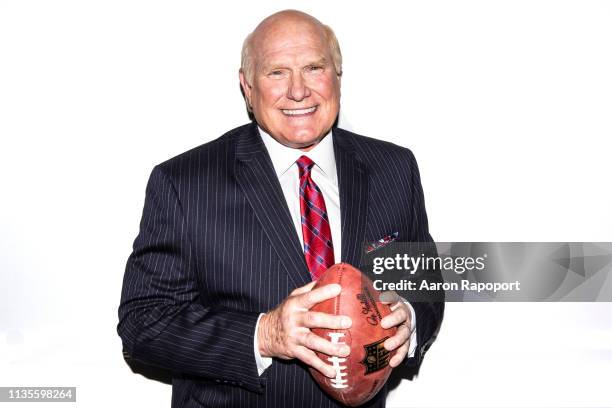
(285, 331)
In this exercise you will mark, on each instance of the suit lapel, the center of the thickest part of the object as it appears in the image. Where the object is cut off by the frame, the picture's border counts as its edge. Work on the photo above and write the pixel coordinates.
(255, 175)
(353, 184)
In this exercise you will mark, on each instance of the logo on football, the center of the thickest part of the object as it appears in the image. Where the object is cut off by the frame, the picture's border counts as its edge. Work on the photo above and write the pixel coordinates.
(361, 374)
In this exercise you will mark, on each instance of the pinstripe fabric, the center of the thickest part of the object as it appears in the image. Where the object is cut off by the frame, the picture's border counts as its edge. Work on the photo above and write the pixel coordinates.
(217, 246)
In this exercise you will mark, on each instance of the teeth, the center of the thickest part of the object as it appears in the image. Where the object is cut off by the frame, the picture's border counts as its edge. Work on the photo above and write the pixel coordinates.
(299, 111)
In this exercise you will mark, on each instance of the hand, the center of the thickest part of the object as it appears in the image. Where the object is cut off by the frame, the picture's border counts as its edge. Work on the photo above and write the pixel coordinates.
(285, 331)
(400, 316)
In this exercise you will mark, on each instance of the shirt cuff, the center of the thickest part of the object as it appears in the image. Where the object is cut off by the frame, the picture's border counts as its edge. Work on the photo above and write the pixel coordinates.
(263, 362)
(413, 334)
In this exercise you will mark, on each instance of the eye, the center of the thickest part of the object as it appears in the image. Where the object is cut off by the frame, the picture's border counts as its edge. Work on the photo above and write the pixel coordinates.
(314, 68)
(276, 73)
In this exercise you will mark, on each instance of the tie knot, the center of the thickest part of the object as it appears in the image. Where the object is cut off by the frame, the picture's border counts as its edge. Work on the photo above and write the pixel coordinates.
(305, 165)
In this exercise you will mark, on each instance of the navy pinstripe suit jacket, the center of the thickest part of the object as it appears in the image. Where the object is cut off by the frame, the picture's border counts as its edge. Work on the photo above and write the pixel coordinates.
(217, 247)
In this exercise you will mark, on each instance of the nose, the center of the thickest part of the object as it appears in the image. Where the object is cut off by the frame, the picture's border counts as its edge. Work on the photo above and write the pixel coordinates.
(298, 90)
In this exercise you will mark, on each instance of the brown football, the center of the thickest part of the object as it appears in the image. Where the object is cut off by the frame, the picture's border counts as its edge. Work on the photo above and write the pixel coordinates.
(363, 373)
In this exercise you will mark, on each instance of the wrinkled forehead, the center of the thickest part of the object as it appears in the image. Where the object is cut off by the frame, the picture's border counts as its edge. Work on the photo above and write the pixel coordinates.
(276, 40)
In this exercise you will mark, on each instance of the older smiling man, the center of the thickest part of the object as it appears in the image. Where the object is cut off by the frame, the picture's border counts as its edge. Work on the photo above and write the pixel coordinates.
(219, 285)
(291, 67)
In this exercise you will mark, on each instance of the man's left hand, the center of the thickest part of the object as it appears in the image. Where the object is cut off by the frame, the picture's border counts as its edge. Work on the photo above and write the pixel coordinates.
(400, 317)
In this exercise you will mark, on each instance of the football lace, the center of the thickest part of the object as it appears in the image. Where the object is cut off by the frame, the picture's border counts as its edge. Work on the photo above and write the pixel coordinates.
(338, 381)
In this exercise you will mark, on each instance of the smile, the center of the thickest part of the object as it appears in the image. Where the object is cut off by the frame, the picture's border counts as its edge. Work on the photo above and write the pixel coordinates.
(300, 112)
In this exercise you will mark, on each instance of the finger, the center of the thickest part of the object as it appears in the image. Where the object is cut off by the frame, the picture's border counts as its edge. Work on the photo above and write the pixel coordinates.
(325, 321)
(309, 357)
(399, 356)
(317, 343)
(395, 318)
(309, 299)
(398, 339)
(389, 296)
(304, 289)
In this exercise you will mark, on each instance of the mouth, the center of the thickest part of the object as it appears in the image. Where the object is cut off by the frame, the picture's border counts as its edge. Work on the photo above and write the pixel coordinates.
(300, 112)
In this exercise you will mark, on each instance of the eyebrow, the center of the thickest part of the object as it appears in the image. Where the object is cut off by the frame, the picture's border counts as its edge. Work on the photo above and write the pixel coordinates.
(275, 65)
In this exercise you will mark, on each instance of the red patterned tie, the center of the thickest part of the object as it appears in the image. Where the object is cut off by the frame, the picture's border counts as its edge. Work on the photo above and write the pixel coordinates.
(318, 246)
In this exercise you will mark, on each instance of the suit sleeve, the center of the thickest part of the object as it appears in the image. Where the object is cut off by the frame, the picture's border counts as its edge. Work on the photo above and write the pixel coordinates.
(430, 311)
(162, 320)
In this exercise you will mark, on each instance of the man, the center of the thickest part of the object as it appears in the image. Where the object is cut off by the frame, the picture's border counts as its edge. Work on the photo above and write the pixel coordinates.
(235, 232)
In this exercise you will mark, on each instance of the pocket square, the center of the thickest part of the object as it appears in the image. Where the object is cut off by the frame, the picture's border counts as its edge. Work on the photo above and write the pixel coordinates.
(386, 240)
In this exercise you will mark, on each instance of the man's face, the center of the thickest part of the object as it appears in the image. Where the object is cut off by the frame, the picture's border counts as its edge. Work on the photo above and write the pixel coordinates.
(295, 92)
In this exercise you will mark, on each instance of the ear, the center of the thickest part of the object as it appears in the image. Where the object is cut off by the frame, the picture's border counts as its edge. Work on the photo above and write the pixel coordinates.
(246, 88)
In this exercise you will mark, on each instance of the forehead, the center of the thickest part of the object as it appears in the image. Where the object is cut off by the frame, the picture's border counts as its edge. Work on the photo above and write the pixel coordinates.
(284, 42)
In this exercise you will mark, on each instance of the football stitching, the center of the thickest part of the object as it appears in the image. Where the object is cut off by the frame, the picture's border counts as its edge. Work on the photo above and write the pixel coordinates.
(337, 298)
(338, 381)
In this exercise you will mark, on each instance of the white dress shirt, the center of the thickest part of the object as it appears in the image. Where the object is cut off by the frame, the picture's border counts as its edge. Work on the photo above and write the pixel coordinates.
(325, 175)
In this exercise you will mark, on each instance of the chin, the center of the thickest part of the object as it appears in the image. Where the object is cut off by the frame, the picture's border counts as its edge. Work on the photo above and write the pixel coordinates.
(308, 136)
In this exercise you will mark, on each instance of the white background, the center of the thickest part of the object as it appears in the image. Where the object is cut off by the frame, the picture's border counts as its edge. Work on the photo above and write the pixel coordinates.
(506, 105)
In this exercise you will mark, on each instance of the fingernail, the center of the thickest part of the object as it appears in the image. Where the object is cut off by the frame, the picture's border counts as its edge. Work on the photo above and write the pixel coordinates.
(344, 351)
(331, 373)
(389, 345)
(346, 322)
(335, 288)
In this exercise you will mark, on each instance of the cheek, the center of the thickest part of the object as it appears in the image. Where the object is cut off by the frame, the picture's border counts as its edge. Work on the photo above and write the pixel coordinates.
(269, 96)
(328, 88)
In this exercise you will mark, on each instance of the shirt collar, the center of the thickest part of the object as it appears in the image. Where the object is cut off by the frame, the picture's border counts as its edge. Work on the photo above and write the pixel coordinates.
(283, 157)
